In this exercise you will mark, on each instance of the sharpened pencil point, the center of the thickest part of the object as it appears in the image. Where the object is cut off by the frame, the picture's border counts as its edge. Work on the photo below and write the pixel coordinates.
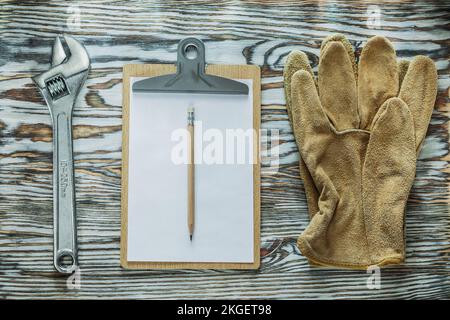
(190, 237)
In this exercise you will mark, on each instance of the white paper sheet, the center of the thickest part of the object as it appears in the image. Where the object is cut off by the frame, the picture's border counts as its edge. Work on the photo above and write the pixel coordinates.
(157, 187)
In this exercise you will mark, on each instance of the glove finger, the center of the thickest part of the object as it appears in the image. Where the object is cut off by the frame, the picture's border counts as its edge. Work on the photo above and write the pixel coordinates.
(308, 118)
(418, 90)
(388, 174)
(347, 45)
(295, 61)
(337, 86)
(298, 60)
(311, 192)
(377, 78)
(403, 66)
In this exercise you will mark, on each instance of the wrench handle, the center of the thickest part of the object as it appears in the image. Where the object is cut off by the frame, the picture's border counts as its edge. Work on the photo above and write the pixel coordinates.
(64, 213)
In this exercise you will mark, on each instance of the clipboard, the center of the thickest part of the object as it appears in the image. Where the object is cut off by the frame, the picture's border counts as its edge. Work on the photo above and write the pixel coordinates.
(226, 71)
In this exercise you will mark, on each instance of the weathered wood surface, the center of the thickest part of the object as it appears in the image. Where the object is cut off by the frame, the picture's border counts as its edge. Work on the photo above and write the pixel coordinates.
(238, 32)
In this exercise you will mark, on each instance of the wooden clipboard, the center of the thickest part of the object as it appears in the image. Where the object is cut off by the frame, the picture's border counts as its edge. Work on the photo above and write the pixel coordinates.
(227, 71)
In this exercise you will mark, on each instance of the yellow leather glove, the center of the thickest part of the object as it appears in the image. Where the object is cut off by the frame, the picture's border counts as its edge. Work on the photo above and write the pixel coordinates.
(358, 130)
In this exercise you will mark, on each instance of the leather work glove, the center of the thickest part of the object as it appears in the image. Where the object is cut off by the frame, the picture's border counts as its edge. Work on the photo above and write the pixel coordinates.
(359, 130)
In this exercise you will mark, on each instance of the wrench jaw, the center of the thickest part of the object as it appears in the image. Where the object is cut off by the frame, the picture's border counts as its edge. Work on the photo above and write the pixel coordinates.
(58, 53)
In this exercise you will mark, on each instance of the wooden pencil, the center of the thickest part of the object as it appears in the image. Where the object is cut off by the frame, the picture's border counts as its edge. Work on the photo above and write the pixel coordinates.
(191, 174)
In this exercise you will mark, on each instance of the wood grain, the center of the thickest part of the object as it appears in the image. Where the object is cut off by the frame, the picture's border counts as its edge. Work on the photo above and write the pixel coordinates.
(227, 71)
(256, 32)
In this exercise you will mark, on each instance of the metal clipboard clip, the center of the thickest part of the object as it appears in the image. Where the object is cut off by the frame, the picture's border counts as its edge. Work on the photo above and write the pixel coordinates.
(190, 76)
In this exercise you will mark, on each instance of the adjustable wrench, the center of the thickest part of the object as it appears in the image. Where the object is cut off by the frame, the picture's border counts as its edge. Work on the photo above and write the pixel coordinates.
(60, 86)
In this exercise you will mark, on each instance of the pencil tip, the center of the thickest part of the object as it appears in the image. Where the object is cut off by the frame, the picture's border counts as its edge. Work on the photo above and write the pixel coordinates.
(190, 237)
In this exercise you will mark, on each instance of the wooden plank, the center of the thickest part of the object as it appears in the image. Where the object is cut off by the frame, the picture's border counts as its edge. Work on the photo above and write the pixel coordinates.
(235, 32)
(227, 71)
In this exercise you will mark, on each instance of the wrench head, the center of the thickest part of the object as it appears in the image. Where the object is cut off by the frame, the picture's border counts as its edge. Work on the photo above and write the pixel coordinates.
(54, 83)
